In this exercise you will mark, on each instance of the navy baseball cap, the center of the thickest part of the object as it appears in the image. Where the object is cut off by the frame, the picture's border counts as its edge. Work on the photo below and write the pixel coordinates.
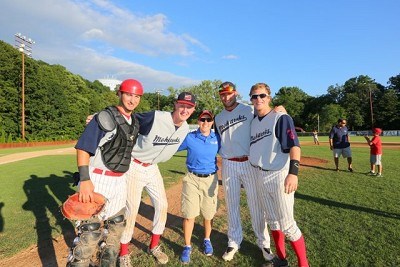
(187, 98)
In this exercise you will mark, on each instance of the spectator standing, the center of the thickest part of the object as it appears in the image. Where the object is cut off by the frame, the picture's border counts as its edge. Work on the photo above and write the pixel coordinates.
(200, 184)
(375, 152)
(339, 143)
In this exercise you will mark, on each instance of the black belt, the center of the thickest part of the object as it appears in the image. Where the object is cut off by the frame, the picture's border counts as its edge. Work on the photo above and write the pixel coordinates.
(261, 169)
(203, 175)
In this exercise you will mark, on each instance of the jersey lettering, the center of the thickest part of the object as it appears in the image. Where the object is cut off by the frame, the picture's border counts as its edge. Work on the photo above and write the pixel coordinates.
(258, 136)
(161, 141)
(222, 128)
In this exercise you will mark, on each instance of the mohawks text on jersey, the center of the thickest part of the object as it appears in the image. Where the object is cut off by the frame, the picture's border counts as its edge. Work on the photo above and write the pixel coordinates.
(259, 136)
(161, 141)
(222, 128)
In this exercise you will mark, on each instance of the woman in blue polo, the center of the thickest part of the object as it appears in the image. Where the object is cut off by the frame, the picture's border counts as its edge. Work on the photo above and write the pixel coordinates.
(200, 184)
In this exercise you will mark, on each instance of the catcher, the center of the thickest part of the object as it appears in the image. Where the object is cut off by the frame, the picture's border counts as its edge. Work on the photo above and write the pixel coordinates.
(103, 156)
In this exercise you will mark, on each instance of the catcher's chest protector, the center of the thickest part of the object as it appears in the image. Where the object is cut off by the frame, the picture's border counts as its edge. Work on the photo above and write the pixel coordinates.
(116, 153)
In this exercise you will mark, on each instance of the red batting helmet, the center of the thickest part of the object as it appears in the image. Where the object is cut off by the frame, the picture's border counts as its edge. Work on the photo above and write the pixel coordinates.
(131, 86)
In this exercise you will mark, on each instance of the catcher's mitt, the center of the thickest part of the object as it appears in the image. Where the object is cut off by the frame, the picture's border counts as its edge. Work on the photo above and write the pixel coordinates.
(72, 209)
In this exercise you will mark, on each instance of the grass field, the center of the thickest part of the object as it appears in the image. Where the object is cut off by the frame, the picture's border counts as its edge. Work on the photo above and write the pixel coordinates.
(348, 219)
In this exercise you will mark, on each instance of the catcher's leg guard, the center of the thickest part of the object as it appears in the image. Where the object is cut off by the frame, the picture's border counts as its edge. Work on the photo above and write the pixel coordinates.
(110, 248)
(84, 246)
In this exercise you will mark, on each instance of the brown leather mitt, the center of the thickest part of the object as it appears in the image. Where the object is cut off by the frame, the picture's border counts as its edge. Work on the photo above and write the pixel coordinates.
(72, 209)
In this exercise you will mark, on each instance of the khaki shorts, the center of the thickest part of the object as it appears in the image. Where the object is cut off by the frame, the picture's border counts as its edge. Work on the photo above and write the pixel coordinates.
(345, 152)
(199, 196)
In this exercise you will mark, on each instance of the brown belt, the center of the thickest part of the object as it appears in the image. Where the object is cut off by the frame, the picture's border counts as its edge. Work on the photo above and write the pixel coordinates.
(141, 163)
(108, 173)
(241, 159)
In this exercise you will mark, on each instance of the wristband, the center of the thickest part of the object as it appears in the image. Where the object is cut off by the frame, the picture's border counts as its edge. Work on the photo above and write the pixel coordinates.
(294, 167)
(84, 173)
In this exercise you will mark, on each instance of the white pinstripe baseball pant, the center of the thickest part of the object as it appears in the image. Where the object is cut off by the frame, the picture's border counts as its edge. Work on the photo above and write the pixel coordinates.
(113, 189)
(233, 175)
(149, 178)
(277, 204)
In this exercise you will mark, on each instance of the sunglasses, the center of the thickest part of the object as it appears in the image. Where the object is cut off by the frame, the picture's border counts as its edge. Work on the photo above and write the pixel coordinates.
(254, 97)
(227, 88)
(206, 119)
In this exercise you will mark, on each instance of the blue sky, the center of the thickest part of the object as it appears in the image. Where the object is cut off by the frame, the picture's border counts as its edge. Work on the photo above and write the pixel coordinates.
(309, 44)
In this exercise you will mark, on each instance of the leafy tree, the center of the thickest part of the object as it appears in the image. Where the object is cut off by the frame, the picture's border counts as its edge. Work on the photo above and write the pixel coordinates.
(294, 100)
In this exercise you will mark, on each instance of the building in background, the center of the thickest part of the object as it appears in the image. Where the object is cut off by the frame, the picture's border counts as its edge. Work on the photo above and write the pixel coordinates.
(111, 83)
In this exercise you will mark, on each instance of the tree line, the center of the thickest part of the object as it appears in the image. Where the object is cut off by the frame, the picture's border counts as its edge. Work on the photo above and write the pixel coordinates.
(57, 101)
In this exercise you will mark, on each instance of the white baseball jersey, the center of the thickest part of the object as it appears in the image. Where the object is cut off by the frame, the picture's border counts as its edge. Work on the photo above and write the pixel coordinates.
(158, 141)
(263, 139)
(234, 130)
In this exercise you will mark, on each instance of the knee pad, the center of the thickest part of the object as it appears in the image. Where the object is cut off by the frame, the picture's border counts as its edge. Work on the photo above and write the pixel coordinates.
(114, 227)
(84, 246)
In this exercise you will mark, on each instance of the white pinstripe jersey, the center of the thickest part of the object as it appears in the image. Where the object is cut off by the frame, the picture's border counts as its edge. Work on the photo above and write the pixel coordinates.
(234, 129)
(163, 140)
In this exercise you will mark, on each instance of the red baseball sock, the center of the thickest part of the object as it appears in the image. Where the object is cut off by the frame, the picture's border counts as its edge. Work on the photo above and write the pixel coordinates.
(299, 247)
(279, 239)
(123, 249)
(154, 240)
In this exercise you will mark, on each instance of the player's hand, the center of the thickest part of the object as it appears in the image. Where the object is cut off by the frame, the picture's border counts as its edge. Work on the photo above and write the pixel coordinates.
(291, 183)
(280, 108)
(331, 147)
(86, 189)
(88, 119)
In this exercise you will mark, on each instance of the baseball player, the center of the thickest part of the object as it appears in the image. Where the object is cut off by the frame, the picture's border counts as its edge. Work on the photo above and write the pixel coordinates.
(103, 156)
(161, 134)
(233, 126)
(200, 184)
(315, 137)
(275, 155)
(339, 143)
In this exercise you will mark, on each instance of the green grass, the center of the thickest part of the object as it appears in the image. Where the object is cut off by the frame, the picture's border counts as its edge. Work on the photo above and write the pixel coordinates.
(348, 219)
(357, 139)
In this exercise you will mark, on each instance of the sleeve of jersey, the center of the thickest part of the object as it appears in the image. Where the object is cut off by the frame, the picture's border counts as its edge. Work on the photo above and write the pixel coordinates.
(286, 133)
(90, 138)
(146, 121)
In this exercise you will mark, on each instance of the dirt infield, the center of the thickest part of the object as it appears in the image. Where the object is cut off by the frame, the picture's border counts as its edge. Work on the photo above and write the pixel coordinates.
(54, 253)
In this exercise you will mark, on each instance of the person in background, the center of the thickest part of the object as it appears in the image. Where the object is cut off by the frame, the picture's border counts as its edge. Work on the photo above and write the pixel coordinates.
(200, 184)
(339, 143)
(375, 145)
(315, 137)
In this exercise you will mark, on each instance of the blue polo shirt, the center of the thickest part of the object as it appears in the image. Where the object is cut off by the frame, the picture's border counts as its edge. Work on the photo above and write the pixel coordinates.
(202, 151)
(339, 136)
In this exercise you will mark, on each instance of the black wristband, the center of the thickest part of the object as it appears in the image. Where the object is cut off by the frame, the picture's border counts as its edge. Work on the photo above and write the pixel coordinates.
(294, 167)
(84, 173)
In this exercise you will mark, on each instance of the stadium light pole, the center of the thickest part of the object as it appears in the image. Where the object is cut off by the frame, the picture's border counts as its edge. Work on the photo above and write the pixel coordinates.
(24, 45)
(370, 103)
(158, 98)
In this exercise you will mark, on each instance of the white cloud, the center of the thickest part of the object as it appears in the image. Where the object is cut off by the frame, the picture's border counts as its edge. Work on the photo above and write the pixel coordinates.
(230, 57)
(91, 38)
